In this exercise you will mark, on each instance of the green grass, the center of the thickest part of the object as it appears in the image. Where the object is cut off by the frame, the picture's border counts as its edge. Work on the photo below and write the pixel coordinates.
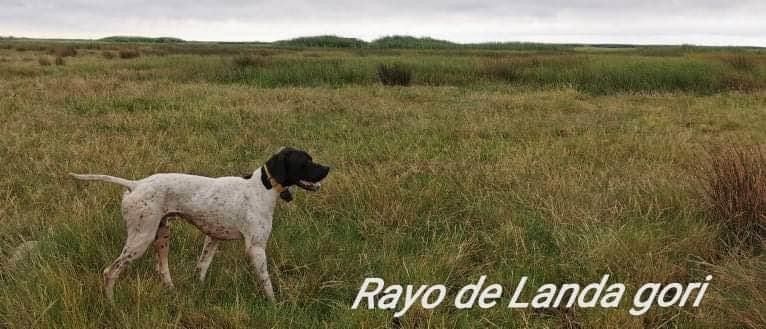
(629, 71)
(564, 168)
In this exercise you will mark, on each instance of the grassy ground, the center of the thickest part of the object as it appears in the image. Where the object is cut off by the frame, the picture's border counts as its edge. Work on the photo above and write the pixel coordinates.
(558, 166)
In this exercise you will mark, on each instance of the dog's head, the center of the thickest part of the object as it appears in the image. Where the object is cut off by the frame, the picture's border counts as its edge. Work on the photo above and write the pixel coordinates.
(295, 167)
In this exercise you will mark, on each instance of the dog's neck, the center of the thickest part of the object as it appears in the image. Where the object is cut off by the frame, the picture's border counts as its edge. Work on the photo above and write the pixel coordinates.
(270, 182)
(265, 178)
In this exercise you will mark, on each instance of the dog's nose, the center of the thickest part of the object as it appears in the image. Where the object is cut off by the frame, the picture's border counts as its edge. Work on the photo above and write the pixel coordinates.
(325, 171)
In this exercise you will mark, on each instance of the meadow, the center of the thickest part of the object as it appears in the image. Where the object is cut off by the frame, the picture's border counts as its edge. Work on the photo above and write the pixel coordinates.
(557, 163)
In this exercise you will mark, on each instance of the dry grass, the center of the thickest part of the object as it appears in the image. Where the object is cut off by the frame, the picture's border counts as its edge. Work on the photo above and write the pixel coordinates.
(738, 297)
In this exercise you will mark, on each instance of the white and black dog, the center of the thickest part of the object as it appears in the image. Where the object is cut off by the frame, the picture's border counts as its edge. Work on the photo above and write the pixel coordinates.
(224, 208)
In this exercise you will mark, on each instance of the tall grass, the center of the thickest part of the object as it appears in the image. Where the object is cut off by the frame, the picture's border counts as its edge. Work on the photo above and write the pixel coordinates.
(632, 74)
(590, 74)
(630, 71)
(305, 73)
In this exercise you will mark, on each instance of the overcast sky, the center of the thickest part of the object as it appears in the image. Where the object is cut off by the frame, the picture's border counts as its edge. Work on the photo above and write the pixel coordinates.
(704, 22)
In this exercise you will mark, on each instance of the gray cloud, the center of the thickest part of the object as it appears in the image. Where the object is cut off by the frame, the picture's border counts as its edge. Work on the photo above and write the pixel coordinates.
(632, 21)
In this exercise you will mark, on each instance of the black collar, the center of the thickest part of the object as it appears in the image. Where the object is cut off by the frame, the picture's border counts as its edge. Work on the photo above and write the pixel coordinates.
(265, 179)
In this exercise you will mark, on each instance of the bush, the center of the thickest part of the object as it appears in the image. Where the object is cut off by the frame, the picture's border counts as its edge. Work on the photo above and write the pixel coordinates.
(67, 51)
(129, 53)
(394, 75)
(44, 61)
(59, 60)
(107, 54)
(734, 186)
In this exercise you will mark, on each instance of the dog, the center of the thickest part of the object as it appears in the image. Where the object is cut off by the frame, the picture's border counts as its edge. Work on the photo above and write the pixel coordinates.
(224, 208)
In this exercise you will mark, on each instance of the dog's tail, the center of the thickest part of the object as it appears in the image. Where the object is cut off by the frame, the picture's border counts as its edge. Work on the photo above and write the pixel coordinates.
(111, 179)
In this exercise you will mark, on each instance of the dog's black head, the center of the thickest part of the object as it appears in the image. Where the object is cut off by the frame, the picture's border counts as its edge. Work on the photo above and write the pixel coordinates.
(295, 167)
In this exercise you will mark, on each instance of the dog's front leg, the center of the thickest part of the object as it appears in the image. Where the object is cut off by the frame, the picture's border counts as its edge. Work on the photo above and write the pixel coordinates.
(208, 251)
(257, 255)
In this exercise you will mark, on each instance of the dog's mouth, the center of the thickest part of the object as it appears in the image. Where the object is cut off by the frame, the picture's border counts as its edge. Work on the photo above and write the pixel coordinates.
(309, 186)
(311, 182)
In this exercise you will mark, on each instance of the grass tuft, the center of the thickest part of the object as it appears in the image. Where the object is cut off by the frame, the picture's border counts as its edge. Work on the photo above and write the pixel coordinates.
(735, 191)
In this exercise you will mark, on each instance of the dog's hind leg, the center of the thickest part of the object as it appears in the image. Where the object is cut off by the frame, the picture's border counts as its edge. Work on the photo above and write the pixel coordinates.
(134, 248)
(162, 248)
(208, 251)
(142, 224)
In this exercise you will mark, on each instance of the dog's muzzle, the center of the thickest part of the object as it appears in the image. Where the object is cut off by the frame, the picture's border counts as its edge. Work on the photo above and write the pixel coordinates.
(309, 186)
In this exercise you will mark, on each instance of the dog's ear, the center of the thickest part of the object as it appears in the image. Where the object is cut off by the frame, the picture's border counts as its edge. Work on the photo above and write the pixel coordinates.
(277, 166)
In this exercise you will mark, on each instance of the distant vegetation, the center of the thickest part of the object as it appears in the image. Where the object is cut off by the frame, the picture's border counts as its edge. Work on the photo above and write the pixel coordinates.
(141, 39)
(403, 41)
(410, 42)
(323, 41)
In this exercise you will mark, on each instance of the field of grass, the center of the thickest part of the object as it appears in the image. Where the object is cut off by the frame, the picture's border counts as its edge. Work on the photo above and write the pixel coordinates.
(558, 165)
